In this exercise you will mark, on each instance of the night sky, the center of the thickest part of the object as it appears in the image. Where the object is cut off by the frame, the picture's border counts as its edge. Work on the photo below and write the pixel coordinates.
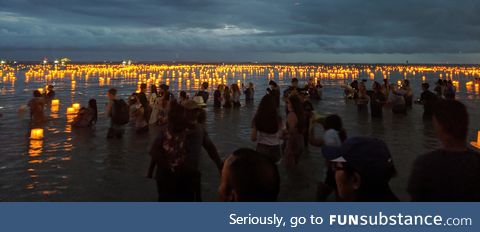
(374, 31)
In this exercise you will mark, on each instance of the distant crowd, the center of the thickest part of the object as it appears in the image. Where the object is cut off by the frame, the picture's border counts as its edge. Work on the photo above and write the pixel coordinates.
(357, 168)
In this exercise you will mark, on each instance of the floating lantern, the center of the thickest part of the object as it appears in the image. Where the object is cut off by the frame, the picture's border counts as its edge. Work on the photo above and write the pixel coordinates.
(476, 143)
(55, 102)
(40, 90)
(76, 106)
(36, 133)
(70, 110)
(399, 83)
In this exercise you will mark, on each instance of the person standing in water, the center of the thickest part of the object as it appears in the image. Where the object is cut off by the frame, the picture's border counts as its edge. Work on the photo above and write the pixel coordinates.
(249, 93)
(37, 105)
(267, 128)
(452, 172)
(294, 134)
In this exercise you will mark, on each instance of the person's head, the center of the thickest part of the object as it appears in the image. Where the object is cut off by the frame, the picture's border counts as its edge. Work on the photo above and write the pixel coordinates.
(112, 93)
(295, 105)
(363, 168)
(406, 83)
(272, 84)
(450, 118)
(234, 88)
(92, 103)
(143, 87)
(177, 123)
(334, 122)
(37, 93)
(163, 88)
(220, 87)
(183, 95)
(266, 119)
(250, 85)
(249, 176)
(132, 99)
(153, 89)
(192, 111)
(50, 88)
(425, 86)
(294, 82)
(205, 85)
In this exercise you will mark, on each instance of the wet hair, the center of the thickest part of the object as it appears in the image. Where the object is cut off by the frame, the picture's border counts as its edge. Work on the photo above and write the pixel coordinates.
(253, 177)
(37, 93)
(177, 123)
(334, 121)
(153, 89)
(266, 119)
(298, 110)
(92, 103)
(112, 91)
(452, 116)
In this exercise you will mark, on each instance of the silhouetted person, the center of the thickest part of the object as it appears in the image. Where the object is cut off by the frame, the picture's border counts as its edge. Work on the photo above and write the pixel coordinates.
(451, 173)
(249, 176)
(363, 168)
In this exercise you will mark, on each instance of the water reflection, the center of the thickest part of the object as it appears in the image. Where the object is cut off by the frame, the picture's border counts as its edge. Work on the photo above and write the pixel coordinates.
(72, 164)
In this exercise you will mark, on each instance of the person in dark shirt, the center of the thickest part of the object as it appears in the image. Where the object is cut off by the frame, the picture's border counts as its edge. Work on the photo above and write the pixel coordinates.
(451, 173)
(275, 91)
(50, 94)
(363, 168)
(377, 98)
(203, 92)
(428, 100)
(308, 113)
(217, 96)
(142, 97)
(249, 92)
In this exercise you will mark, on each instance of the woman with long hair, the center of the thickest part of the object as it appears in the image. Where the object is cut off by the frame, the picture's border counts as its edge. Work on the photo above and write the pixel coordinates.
(294, 131)
(235, 95)
(266, 129)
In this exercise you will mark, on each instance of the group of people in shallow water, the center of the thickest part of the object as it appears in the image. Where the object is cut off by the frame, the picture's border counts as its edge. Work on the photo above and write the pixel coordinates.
(357, 168)
(397, 97)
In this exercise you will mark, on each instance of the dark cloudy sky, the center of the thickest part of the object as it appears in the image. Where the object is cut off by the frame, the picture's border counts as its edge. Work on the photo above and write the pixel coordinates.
(243, 30)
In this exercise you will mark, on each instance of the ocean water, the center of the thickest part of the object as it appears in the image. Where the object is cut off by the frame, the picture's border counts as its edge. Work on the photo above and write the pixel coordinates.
(82, 165)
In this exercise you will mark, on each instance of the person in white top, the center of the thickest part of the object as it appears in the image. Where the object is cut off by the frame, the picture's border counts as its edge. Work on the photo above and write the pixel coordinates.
(334, 135)
(267, 129)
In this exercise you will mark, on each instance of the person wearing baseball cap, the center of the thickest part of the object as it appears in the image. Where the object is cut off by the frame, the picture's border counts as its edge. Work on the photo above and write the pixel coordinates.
(363, 168)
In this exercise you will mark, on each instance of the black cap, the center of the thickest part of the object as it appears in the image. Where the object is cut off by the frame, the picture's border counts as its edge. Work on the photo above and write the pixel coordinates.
(370, 157)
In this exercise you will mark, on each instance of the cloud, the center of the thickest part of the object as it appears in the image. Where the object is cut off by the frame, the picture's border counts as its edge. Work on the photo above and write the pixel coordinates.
(249, 28)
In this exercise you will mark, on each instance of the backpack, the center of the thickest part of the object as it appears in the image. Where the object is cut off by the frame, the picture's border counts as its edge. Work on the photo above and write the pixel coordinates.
(120, 112)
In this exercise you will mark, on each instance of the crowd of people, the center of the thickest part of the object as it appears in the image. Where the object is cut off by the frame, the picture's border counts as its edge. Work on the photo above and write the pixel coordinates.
(357, 168)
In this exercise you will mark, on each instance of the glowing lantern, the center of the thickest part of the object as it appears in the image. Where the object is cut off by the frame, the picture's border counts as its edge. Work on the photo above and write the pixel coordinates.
(36, 133)
(399, 83)
(40, 90)
(55, 102)
(477, 143)
(70, 110)
(76, 106)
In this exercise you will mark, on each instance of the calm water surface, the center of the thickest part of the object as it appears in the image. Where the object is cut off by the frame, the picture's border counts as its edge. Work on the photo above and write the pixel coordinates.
(82, 165)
